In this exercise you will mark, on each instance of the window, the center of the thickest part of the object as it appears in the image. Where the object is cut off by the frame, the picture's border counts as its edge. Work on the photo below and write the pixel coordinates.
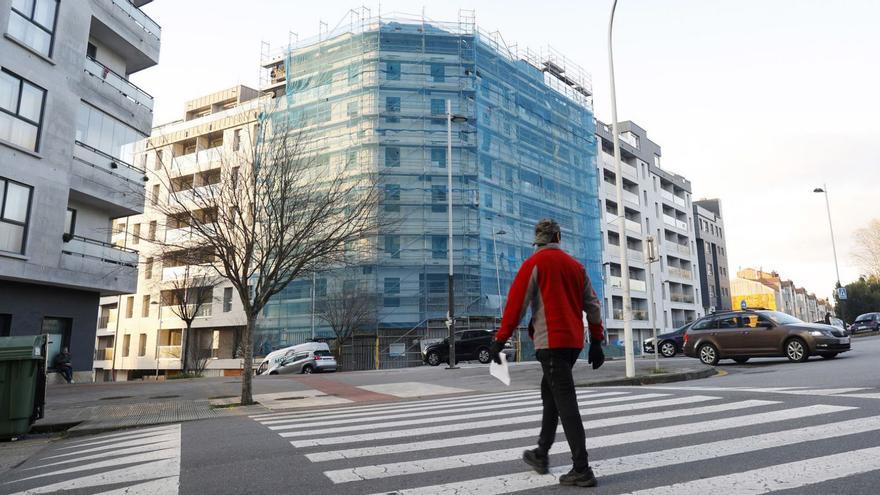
(151, 233)
(438, 107)
(438, 198)
(352, 108)
(227, 299)
(5, 325)
(439, 244)
(392, 197)
(136, 234)
(15, 205)
(392, 71)
(236, 140)
(21, 111)
(91, 50)
(438, 157)
(438, 72)
(69, 224)
(487, 200)
(392, 292)
(108, 135)
(148, 268)
(142, 345)
(728, 322)
(129, 306)
(145, 306)
(33, 23)
(392, 105)
(154, 197)
(392, 157)
(392, 246)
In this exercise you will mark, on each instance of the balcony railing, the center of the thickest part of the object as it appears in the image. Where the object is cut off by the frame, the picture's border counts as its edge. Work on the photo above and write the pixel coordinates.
(667, 195)
(169, 352)
(679, 200)
(681, 273)
(638, 314)
(104, 321)
(634, 284)
(140, 18)
(611, 219)
(103, 251)
(119, 83)
(202, 157)
(681, 224)
(107, 163)
(171, 312)
(104, 354)
(195, 272)
(669, 220)
(682, 298)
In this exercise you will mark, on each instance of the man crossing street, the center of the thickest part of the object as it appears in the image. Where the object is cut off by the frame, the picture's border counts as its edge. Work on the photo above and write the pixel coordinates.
(558, 291)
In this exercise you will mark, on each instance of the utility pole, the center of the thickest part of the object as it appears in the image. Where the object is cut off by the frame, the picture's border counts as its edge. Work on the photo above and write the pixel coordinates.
(450, 314)
(313, 307)
(651, 257)
(824, 189)
(621, 213)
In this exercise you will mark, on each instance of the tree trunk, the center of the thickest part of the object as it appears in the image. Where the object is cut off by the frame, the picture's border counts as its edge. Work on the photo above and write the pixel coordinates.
(184, 354)
(247, 374)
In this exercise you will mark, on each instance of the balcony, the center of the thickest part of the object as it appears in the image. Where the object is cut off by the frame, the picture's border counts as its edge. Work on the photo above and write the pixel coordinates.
(118, 83)
(194, 272)
(168, 352)
(634, 284)
(109, 180)
(171, 312)
(104, 354)
(681, 273)
(106, 268)
(612, 220)
(637, 314)
(196, 161)
(611, 193)
(679, 201)
(681, 298)
(134, 36)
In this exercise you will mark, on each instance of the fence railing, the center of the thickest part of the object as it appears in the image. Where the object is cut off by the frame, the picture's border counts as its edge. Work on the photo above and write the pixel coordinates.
(125, 87)
(139, 17)
(169, 352)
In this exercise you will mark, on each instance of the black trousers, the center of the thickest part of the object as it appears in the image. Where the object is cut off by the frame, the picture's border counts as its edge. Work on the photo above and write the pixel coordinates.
(560, 402)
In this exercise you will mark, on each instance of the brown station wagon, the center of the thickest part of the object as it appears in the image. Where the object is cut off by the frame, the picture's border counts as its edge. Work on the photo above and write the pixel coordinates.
(744, 334)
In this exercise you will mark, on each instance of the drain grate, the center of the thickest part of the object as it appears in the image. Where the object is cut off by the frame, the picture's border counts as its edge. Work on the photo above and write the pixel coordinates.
(165, 397)
(217, 397)
(290, 398)
(116, 397)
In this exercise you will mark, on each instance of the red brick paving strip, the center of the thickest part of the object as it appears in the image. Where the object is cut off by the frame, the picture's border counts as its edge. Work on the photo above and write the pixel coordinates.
(342, 390)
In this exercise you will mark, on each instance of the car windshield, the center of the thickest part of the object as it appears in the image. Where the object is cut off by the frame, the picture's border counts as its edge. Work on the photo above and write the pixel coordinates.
(865, 317)
(322, 353)
(780, 318)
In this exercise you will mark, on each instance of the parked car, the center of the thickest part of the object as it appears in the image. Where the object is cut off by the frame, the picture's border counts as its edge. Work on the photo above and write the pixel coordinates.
(837, 322)
(306, 358)
(743, 334)
(671, 343)
(866, 322)
(469, 345)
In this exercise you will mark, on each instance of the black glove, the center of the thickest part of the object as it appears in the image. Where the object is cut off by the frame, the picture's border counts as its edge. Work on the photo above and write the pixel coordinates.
(595, 356)
(495, 351)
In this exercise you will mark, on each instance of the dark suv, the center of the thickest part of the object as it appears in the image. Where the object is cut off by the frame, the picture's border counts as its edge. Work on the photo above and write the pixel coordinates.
(866, 322)
(469, 345)
(743, 334)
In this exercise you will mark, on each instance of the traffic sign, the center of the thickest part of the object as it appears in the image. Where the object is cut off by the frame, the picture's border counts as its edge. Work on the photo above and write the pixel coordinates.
(743, 305)
(841, 293)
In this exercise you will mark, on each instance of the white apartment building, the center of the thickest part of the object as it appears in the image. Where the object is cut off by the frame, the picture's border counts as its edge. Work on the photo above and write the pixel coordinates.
(657, 203)
(69, 120)
(139, 334)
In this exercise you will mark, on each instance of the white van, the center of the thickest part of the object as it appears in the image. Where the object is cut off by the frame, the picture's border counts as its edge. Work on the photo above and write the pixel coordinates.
(277, 358)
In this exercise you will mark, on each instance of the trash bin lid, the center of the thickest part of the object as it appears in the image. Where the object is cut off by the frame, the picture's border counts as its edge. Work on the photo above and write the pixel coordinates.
(22, 347)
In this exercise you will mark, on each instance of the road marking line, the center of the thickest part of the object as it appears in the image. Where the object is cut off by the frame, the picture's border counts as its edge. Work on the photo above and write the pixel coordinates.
(142, 442)
(524, 433)
(863, 396)
(288, 424)
(772, 390)
(161, 486)
(412, 389)
(382, 406)
(528, 480)
(152, 455)
(103, 455)
(456, 417)
(494, 456)
(786, 476)
(129, 435)
(166, 468)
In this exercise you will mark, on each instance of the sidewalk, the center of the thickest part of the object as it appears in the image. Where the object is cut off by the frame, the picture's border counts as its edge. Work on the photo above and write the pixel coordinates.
(86, 408)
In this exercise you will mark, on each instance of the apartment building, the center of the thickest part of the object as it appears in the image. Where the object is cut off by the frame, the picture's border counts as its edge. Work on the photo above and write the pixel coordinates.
(656, 203)
(141, 334)
(69, 121)
(759, 288)
(712, 255)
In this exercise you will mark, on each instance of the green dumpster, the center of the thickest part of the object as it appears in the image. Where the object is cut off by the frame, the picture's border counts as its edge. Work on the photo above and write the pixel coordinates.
(22, 383)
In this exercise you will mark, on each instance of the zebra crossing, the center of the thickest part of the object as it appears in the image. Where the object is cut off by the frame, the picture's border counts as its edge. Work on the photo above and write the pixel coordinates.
(471, 445)
(141, 461)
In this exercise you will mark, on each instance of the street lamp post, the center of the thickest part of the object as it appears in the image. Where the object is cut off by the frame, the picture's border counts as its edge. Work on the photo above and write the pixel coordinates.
(624, 263)
(498, 284)
(824, 190)
(450, 314)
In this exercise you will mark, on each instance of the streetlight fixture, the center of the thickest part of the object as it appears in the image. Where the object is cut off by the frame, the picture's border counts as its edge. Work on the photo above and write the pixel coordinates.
(450, 314)
(824, 190)
(621, 213)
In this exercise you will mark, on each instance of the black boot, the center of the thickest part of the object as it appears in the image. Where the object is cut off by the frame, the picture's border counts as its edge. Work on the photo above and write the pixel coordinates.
(537, 460)
(578, 478)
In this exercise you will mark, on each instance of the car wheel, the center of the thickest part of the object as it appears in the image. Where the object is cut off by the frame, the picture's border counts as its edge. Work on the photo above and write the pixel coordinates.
(667, 348)
(741, 360)
(829, 355)
(796, 350)
(273, 373)
(433, 358)
(708, 354)
(483, 356)
(307, 370)
(262, 368)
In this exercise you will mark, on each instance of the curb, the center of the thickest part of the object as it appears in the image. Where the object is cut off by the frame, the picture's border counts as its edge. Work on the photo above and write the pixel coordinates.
(651, 379)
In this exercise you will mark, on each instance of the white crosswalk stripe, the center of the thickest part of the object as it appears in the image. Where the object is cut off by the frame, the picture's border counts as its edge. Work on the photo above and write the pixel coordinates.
(147, 459)
(419, 440)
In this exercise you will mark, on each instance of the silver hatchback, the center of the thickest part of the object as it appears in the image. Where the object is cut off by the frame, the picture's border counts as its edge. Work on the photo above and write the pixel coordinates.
(306, 362)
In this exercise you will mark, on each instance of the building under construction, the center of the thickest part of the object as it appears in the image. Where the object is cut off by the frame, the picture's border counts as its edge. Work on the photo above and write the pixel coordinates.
(372, 94)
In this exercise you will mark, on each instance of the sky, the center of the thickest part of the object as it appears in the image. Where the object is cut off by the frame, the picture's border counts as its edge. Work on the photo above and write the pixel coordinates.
(756, 102)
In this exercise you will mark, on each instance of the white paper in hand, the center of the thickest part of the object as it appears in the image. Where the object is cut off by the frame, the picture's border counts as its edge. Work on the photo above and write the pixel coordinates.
(500, 371)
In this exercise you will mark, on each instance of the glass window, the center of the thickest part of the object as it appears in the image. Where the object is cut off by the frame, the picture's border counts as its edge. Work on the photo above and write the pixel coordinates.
(392, 104)
(148, 268)
(392, 157)
(392, 292)
(439, 244)
(392, 246)
(21, 110)
(15, 200)
(438, 198)
(227, 299)
(704, 324)
(70, 222)
(106, 134)
(33, 23)
(438, 157)
(392, 71)
(438, 72)
(438, 106)
(728, 322)
(145, 306)
(142, 345)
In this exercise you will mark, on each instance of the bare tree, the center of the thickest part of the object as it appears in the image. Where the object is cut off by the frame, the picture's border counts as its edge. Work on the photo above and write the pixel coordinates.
(867, 250)
(347, 312)
(276, 212)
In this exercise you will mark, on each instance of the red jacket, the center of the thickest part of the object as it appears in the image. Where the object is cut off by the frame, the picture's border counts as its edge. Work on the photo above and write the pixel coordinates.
(559, 291)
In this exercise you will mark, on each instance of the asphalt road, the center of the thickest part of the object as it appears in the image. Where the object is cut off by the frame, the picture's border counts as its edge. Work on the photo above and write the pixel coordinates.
(767, 426)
